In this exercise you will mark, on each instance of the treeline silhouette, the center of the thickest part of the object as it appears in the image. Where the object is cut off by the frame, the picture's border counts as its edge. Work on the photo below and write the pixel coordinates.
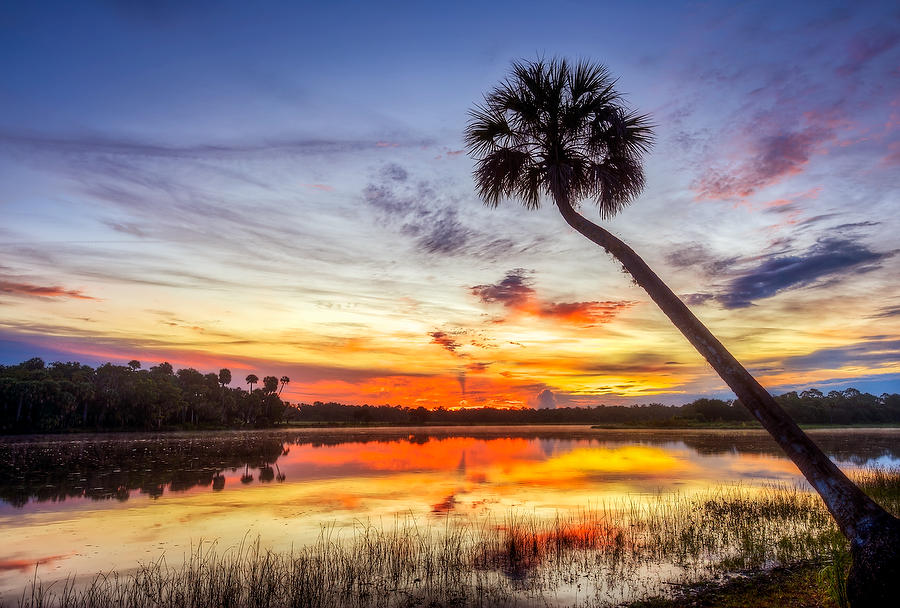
(808, 407)
(35, 397)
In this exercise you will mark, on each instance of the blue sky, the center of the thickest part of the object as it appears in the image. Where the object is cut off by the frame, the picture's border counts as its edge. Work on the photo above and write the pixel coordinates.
(281, 186)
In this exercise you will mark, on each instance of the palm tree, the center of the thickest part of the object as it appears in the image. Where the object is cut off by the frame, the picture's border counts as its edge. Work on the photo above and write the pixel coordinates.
(224, 380)
(284, 381)
(251, 380)
(270, 384)
(560, 131)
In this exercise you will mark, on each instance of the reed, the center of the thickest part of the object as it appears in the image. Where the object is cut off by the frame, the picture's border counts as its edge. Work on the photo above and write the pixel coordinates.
(612, 553)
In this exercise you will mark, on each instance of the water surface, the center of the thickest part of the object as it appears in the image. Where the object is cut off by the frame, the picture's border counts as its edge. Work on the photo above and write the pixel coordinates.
(78, 504)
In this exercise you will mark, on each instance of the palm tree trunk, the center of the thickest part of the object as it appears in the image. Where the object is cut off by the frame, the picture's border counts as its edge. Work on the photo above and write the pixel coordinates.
(874, 534)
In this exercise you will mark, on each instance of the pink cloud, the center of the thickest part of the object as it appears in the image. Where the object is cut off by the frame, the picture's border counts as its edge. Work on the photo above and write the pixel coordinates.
(771, 160)
(40, 291)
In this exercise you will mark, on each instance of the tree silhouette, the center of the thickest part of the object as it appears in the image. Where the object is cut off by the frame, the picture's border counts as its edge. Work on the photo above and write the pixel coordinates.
(270, 384)
(560, 131)
(284, 382)
(251, 380)
(224, 380)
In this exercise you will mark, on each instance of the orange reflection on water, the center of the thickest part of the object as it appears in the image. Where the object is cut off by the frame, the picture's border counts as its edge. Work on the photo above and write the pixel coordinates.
(452, 453)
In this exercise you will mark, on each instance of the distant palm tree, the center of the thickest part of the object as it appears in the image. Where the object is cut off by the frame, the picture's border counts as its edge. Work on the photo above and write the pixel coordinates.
(224, 380)
(561, 131)
(251, 380)
(270, 384)
(284, 381)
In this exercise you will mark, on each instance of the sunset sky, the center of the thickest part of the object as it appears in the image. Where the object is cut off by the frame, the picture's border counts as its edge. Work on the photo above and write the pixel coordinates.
(281, 188)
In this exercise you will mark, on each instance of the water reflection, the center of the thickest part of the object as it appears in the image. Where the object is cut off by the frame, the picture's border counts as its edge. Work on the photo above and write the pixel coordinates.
(161, 493)
(112, 467)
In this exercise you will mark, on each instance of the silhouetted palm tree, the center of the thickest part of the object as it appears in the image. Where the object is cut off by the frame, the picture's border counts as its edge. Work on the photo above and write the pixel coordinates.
(284, 382)
(560, 131)
(224, 380)
(251, 380)
(270, 384)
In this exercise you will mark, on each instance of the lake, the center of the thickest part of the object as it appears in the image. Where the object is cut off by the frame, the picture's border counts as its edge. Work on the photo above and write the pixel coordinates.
(78, 504)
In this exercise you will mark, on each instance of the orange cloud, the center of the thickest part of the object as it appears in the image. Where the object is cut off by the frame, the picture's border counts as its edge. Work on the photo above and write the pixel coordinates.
(516, 294)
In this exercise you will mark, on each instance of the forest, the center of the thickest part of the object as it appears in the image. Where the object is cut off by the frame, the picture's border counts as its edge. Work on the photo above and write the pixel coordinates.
(37, 397)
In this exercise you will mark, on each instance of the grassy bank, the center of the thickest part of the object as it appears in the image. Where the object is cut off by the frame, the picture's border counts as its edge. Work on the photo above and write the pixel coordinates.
(668, 546)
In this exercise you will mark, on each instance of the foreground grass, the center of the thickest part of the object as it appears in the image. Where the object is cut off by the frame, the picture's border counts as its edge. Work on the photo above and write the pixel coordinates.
(666, 549)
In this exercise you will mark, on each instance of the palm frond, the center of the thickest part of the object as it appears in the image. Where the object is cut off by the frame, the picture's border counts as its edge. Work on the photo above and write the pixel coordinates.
(559, 130)
(499, 174)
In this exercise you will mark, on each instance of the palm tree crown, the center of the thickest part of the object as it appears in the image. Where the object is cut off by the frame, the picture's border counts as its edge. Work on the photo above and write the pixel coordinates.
(558, 130)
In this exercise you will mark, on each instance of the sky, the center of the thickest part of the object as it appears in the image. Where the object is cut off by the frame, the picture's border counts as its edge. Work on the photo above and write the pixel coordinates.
(281, 188)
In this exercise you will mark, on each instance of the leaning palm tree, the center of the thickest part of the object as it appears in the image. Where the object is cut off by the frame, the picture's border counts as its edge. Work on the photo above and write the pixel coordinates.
(284, 382)
(557, 131)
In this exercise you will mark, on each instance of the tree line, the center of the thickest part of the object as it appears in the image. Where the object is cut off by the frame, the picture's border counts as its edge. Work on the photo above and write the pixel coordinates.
(36, 397)
(808, 407)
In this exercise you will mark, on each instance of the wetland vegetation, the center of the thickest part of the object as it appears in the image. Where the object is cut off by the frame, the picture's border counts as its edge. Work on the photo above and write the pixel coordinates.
(615, 554)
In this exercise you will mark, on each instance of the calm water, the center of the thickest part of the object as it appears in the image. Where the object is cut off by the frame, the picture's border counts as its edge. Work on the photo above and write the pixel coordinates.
(79, 504)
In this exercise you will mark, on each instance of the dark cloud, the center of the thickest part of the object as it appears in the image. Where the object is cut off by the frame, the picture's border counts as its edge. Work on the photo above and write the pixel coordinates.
(445, 340)
(696, 255)
(395, 172)
(512, 291)
(827, 258)
(445, 234)
(890, 311)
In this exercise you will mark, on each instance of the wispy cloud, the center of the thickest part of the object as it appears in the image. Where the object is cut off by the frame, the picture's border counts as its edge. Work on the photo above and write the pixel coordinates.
(41, 291)
(119, 146)
(771, 159)
(425, 213)
(867, 354)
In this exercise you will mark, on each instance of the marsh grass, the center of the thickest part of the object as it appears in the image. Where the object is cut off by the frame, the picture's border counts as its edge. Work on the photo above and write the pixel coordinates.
(616, 552)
